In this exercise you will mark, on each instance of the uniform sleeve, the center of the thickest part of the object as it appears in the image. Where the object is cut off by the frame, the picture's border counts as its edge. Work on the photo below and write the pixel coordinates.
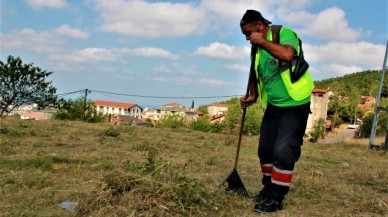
(287, 36)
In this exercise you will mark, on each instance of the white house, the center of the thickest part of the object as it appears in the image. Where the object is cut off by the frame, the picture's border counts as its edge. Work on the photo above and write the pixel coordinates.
(152, 114)
(118, 108)
(217, 109)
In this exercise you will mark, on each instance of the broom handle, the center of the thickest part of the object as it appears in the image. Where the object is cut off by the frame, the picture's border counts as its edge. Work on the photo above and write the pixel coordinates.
(239, 137)
(244, 110)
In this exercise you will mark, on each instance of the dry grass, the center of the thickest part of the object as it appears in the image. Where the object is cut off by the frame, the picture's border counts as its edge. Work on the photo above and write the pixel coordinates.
(130, 171)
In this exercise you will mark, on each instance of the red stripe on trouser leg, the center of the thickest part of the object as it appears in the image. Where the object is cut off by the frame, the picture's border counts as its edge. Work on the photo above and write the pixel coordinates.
(266, 169)
(281, 177)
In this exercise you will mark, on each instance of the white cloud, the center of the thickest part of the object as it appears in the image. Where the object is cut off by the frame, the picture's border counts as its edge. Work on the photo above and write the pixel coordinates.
(141, 18)
(37, 4)
(221, 51)
(126, 75)
(94, 54)
(183, 80)
(177, 69)
(87, 55)
(238, 67)
(341, 70)
(151, 52)
(215, 83)
(365, 54)
(226, 11)
(29, 39)
(329, 24)
(159, 79)
(298, 18)
(72, 32)
(163, 69)
(340, 58)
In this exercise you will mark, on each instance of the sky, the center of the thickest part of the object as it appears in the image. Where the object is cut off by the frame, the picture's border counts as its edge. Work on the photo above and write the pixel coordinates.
(152, 53)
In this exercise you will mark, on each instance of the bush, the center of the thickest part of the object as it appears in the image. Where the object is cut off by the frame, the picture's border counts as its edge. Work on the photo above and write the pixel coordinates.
(318, 132)
(216, 127)
(112, 132)
(201, 124)
(170, 121)
(366, 126)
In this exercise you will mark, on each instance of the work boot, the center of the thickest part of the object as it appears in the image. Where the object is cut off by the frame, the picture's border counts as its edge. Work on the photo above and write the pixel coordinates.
(261, 196)
(270, 205)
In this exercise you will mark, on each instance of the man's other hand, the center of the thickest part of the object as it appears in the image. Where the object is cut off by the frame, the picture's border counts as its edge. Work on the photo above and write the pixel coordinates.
(247, 101)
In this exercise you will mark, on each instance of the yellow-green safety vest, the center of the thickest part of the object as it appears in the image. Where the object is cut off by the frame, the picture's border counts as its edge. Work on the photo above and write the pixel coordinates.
(298, 90)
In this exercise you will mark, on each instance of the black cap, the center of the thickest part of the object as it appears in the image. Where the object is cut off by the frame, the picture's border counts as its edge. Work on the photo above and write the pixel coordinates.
(251, 16)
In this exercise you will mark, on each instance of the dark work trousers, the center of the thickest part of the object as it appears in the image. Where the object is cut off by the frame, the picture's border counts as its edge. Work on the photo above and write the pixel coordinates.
(281, 138)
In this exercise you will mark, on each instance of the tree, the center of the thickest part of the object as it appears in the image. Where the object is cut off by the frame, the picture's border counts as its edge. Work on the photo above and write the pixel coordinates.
(354, 101)
(252, 119)
(319, 131)
(75, 110)
(203, 109)
(334, 107)
(23, 84)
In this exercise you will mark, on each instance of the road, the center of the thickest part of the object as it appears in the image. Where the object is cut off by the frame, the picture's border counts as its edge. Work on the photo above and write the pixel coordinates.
(345, 134)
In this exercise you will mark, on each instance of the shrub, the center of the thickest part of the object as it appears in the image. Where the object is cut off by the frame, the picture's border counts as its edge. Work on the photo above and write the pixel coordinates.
(170, 121)
(216, 127)
(318, 132)
(112, 132)
(201, 124)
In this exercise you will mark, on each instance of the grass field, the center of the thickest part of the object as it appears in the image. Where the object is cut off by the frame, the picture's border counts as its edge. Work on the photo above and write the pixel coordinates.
(127, 171)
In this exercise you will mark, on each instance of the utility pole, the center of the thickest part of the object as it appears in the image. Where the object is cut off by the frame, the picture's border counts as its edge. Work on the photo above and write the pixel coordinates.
(377, 106)
(85, 99)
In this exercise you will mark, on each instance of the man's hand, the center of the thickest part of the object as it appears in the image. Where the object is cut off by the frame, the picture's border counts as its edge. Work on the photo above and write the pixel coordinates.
(257, 39)
(247, 101)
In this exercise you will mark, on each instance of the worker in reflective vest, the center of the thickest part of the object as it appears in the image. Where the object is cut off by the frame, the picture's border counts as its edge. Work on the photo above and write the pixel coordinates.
(286, 103)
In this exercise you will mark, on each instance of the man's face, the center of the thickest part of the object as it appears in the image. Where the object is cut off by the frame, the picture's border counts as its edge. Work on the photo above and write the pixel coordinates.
(249, 28)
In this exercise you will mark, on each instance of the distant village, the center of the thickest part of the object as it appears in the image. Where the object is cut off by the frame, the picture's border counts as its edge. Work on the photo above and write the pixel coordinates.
(119, 112)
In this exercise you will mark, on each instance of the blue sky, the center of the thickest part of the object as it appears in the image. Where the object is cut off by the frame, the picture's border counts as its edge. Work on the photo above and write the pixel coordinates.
(182, 49)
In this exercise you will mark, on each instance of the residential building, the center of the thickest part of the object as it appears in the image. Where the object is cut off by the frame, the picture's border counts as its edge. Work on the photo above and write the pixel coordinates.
(132, 120)
(319, 104)
(118, 108)
(152, 114)
(30, 115)
(173, 108)
(217, 109)
(367, 103)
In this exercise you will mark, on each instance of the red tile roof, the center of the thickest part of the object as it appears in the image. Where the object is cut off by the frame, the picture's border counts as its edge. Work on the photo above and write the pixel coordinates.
(316, 90)
(113, 104)
(173, 104)
(36, 115)
(199, 113)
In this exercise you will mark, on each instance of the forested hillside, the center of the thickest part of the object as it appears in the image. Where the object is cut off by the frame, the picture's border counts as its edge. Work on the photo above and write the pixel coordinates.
(366, 83)
(353, 86)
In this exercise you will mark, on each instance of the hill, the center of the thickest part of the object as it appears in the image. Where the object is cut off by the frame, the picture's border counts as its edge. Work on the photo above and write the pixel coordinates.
(127, 171)
(366, 82)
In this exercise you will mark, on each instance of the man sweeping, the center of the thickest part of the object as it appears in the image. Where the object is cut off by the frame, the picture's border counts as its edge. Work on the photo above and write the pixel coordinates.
(283, 85)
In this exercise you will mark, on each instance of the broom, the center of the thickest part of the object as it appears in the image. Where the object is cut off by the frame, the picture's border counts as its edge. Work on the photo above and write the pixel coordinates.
(233, 181)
